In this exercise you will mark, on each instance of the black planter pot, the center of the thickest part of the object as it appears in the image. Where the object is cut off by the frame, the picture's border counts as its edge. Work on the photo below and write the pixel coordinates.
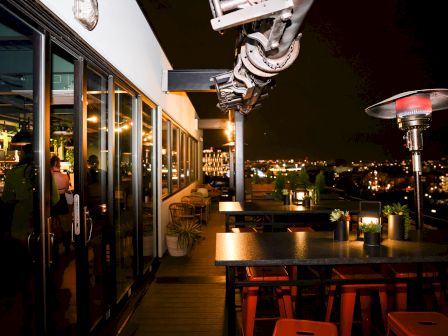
(306, 203)
(372, 239)
(341, 230)
(395, 227)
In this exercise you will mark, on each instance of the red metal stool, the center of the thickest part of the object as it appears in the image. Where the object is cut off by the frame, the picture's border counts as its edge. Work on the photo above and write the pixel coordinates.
(250, 295)
(417, 324)
(293, 270)
(291, 327)
(348, 297)
(410, 271)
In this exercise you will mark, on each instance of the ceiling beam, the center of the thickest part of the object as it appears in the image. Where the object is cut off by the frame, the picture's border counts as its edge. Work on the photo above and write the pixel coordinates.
(190, 80)
(212, 123)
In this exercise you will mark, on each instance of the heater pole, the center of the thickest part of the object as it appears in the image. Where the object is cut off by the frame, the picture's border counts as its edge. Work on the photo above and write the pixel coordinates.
(417, 191)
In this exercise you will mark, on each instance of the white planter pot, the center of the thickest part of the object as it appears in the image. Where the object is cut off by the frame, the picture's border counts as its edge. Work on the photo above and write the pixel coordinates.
(173, 248)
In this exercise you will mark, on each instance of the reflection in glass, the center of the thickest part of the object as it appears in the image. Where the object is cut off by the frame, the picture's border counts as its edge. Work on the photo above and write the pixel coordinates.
(96, 193)
(165, 167)
(147, 190)
(182, 149)
(174, 159)
(16, 177)
(123, 205)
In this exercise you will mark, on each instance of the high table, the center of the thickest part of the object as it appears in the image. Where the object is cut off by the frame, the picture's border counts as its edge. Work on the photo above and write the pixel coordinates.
(276, 209)
(312, 249)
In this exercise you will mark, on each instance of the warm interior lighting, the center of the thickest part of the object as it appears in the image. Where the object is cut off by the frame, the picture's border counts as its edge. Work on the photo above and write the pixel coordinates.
(93, 119)
(22, 137)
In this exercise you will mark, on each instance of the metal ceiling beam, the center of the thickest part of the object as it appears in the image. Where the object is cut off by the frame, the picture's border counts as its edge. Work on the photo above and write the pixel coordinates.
(190, 80)
(212, 123)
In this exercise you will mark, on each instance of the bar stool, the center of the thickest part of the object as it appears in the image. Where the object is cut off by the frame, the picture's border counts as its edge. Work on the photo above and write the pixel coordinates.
(410, 271)
(250, 295)
(291, 327)
(417, 324)
(294, 270)
(348, 297)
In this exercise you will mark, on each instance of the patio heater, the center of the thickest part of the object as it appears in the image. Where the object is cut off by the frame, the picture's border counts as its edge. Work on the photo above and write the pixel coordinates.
(413, 111)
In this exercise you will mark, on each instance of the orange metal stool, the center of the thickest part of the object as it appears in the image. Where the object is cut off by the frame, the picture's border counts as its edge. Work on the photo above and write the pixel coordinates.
(291, 327)
(293, 270)
(410, 271)
(417, 324)
(348, 297)
(250, 295)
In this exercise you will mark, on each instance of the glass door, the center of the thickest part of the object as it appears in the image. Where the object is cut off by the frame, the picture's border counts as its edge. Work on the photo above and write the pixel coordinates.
(20, 213)
(62, 275)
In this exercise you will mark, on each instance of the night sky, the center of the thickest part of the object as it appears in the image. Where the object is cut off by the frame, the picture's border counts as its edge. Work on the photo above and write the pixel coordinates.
(354, 53)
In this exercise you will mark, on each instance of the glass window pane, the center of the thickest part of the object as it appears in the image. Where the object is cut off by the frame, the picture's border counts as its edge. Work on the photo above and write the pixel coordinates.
(96, 191)
(174, 159)
(165, 168)
(182, 147)
(147, 188)
(123, 206)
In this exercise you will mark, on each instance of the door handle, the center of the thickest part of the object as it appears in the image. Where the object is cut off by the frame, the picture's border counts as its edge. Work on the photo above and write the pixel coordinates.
(88, 219)
(76, 224)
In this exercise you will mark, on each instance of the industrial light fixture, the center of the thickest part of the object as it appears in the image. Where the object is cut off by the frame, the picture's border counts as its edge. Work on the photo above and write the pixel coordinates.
(413, 111)
(23, 136)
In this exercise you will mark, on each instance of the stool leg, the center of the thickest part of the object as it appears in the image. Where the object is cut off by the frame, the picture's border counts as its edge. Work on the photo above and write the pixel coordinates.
(331, 294)
(401, 296)
(366, 307)
(440, 295)
(249, 311)
(348, 297)
(383, 304)
(287, 302)
(280, 302)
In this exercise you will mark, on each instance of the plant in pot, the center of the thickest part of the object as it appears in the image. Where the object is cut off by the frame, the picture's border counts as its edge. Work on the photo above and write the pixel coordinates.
(182, 236)
(372, 233)
(279, 185)
(306, 202)
(342, 220)
(398, 221)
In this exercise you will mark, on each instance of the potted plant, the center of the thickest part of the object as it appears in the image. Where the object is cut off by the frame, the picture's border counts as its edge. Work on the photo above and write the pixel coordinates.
(306, 201)
(398, 221)
(372, 233)
(182, 236)
(279, 185)
(342, 220)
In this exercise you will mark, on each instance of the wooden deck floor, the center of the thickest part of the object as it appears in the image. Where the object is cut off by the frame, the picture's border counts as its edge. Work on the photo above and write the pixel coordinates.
(187, 296)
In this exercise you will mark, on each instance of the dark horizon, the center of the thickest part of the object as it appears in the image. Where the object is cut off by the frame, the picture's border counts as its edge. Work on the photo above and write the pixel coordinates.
(353, 54)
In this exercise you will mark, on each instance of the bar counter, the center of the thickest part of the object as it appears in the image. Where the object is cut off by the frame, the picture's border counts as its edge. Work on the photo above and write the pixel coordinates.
(317, 249)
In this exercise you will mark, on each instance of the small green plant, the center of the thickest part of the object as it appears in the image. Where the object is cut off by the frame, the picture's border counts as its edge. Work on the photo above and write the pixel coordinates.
(339, 215)
(188, 233)
(279, 185)
(370, 227)
(400, 210)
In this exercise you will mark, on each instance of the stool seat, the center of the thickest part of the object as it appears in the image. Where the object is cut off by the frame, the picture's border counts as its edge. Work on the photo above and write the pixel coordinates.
(417, 324)
(271, 273)
(300, 229)
(243, 229)
(291, 327)
(349, 293)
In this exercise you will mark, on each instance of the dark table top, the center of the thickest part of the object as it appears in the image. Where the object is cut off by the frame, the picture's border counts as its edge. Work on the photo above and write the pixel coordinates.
(318, 248)
(267, 207)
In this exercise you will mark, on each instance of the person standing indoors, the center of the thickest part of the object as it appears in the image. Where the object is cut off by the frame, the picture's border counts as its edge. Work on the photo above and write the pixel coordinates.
(18, 195)
(61, 185)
